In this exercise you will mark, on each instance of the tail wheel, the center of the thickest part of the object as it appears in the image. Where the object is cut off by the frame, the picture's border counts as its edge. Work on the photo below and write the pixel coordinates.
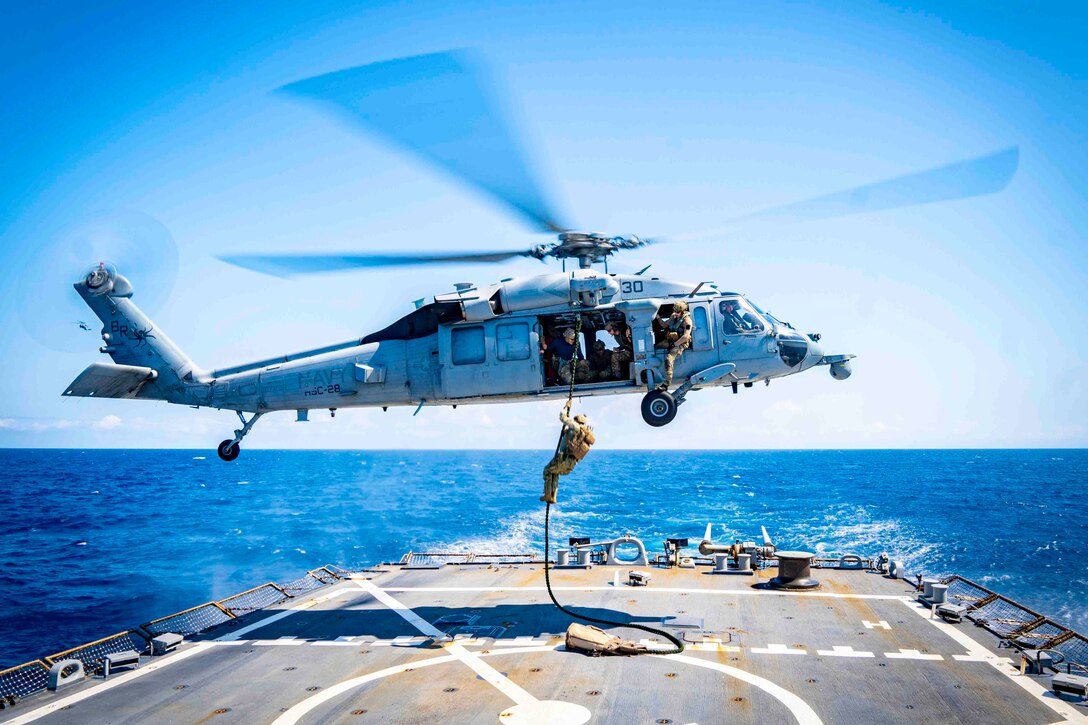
(658, 408)
(228, 450)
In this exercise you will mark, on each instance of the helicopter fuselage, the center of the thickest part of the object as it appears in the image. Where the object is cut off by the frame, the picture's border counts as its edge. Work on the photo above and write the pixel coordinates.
(471, 346)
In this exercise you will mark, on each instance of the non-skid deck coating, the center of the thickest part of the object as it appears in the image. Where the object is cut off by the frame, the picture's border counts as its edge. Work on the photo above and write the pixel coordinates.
(858, 650)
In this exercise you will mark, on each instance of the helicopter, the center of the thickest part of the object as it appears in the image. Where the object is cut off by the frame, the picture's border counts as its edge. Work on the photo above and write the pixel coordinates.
(490, 343)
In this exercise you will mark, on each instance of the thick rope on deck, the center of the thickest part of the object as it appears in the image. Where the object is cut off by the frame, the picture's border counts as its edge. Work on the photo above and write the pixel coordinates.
(678, 646)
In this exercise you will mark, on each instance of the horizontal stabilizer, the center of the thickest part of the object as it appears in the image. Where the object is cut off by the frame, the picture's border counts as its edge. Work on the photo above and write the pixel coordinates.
(102, 380)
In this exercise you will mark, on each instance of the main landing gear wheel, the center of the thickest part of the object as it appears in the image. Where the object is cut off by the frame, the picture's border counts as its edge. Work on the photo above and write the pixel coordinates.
(658, 408)
(228, 450)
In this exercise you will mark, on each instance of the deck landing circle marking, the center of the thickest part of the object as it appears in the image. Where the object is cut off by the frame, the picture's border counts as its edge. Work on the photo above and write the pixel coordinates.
(801, 711)
(546, 712)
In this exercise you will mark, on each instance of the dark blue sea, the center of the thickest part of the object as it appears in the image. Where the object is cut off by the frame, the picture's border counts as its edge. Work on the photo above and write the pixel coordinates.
(93, 542)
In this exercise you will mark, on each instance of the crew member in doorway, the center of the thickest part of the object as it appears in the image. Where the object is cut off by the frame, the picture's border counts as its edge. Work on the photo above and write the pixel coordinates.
(624, 352)
(677, 329)
(577, 437)
(561, 351)
(600, 362)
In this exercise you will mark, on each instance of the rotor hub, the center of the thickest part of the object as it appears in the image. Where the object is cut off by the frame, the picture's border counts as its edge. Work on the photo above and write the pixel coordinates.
(586, 247)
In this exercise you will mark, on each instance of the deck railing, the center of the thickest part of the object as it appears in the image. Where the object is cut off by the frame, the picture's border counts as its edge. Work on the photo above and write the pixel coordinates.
(32, 677)
(1016, 623)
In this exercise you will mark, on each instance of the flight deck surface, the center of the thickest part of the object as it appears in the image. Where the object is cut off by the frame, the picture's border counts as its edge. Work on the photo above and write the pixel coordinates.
(860, 649)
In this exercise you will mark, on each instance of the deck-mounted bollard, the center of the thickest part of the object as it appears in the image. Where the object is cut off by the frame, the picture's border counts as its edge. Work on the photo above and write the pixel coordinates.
(794, 571)
(65, 672)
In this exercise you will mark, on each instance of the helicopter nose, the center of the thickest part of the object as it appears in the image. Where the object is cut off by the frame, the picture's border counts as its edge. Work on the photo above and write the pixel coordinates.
(814, 355)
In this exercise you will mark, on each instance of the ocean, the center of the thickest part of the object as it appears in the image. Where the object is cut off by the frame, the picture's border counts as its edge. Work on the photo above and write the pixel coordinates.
(93, 542)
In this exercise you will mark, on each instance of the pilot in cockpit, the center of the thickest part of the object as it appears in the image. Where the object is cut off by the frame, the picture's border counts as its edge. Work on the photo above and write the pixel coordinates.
(737, 320)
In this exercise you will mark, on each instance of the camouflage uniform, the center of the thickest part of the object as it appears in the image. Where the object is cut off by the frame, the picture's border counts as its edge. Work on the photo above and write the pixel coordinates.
(677, 338)
(625, 349)
(577, 439)
(600, 362)
(581, 371)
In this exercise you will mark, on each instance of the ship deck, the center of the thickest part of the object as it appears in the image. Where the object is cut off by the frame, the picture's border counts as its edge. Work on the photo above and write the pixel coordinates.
(858, 649)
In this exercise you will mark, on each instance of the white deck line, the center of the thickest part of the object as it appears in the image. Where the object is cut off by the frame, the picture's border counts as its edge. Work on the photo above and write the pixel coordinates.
(165, 661)
(662, 590)
(800, 709)
(487, 673)
(300, 709)
(778, 649)
(843, 651)
(287, 641)
(116, 681)
(912, 654)
(1001, 664)
(525, 641)
(302, 606)
(295, 713)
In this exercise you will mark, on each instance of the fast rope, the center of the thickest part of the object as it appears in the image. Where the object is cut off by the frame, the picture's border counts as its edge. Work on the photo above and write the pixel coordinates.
(678, 646)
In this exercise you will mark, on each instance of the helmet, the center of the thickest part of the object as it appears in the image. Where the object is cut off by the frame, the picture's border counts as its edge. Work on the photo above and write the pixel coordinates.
(569, 334)
(598, 346)
(581, 418)
(679, 306)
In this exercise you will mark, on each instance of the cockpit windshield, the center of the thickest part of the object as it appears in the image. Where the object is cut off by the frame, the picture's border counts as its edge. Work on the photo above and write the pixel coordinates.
(740, 318)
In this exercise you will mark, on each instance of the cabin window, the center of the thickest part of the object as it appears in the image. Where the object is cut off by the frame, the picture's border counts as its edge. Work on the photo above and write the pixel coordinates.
(467, 345)
(513, 341)
(700, 337)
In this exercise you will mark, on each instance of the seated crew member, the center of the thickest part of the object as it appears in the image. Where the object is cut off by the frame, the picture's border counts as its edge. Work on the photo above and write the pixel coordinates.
(677, 328)
(561, 351)
(737, 321)
(600, 362)
(624, 352)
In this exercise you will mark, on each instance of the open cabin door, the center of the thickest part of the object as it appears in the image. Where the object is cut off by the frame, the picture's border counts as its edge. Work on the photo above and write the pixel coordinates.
(492, 358)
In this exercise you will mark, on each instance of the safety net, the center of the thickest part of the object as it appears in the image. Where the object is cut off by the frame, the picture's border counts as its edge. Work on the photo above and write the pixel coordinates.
(24, 679)
(189, 621)
(252, 599)
(92, 654)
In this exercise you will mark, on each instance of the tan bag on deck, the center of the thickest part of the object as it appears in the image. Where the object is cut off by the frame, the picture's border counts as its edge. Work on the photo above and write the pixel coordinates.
(596, 642)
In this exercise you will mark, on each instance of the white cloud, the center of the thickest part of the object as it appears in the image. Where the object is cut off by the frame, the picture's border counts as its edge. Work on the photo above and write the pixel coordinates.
(782, 412)
(35, 426)
(108, 422)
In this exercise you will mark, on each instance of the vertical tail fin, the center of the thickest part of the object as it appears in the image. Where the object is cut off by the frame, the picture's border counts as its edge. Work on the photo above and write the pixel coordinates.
(132, 340)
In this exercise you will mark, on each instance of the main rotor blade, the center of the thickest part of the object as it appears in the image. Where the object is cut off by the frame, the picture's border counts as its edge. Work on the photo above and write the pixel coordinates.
(961, 180)
(444, 108)
(289, 265)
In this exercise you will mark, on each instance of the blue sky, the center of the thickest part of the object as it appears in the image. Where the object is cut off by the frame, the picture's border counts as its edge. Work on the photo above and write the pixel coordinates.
(967, 316)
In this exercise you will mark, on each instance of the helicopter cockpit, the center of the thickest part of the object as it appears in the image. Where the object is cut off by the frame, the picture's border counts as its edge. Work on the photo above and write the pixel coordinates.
(740, 317)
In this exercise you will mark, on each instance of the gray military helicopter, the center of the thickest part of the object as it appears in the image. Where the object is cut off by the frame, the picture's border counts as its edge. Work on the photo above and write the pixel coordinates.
(486, 344)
